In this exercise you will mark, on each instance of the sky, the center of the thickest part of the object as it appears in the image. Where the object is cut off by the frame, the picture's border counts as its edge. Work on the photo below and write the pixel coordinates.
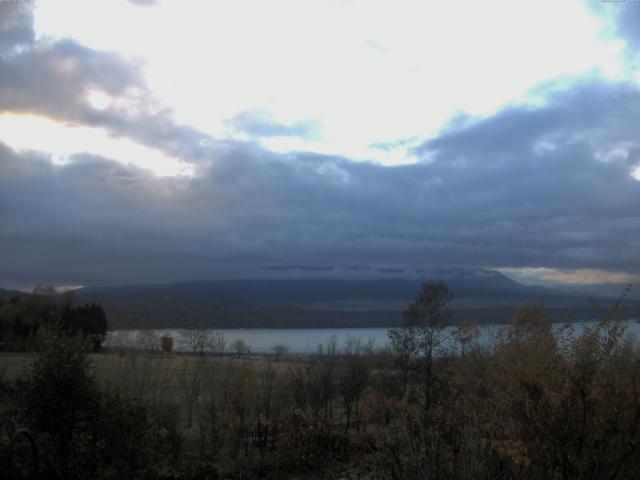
(159, 141)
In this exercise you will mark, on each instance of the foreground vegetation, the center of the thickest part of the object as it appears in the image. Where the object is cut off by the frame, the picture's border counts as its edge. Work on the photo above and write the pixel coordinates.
(536, 404)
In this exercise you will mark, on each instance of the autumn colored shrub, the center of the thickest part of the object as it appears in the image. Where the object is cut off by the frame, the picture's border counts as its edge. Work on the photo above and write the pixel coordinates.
(166, 343)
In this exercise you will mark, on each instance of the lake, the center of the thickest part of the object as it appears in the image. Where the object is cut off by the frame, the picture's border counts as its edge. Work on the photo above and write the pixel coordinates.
(306, 340)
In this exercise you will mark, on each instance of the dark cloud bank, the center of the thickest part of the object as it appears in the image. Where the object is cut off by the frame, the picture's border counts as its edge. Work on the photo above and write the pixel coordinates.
(545, 186)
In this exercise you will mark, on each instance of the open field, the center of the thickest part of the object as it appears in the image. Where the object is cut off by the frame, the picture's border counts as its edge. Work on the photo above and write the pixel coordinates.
(156, 375)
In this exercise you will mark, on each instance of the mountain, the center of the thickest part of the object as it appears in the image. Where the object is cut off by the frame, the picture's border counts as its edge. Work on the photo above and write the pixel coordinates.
(486, 295)
(7, 294)
(462, 283)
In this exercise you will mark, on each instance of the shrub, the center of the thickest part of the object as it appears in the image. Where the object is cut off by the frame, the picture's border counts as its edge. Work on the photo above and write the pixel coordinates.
(81, 431)
(166, 343)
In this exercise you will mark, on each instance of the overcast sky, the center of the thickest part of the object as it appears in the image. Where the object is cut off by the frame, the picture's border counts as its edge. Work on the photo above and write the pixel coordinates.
(158, 141)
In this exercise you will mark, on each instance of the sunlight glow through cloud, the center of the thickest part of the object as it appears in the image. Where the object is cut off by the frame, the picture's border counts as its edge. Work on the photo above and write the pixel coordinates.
(98, 99)
(579, 276)
(30, 132)
(371, 71)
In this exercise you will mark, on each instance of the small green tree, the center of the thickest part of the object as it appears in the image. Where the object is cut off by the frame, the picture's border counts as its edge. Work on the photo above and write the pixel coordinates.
(95, 325)
(59, 397)
(88, 320)
(83, 432)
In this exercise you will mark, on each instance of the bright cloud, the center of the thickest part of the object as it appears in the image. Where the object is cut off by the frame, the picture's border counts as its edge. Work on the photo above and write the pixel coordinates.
(588, 276)
(369, 71)
(62, 141)
(578, 276)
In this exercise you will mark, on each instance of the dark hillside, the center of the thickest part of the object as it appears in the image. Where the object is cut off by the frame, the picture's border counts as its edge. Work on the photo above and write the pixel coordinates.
(486, 296)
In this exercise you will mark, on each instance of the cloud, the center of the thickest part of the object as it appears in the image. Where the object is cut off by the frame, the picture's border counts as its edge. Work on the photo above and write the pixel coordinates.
(488, 196)
(16, 26)
(574, 198)
(145, 3)
(52, 77)
(588, 276)
(572, 277)
(59, 78)
(299, 268)
(549, 186)
(623, 19)
(260, 123)
(628, 24)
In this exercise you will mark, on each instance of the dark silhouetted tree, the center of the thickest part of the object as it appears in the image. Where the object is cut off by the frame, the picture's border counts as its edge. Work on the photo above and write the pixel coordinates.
(422, 335)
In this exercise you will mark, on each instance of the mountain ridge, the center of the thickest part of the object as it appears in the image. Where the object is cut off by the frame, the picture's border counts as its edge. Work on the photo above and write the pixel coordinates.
(487, 296)
(462, 283)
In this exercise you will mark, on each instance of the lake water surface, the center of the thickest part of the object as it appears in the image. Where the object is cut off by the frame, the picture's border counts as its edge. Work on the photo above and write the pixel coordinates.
(307, 340)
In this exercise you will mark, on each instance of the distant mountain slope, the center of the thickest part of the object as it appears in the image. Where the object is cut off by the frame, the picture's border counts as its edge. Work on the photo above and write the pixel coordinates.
(7, 294)
(485, 295)
(462, 283)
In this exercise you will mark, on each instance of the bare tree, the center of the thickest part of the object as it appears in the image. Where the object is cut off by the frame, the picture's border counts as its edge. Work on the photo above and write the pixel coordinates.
(280, 350)
(217, 343)
(147, 340)
(195, 339)
(191, 378)
(354, 376)
(466, 334)
(267, 410)
(240, 347)
(213, 409)
(327, 356)
(139, 369)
